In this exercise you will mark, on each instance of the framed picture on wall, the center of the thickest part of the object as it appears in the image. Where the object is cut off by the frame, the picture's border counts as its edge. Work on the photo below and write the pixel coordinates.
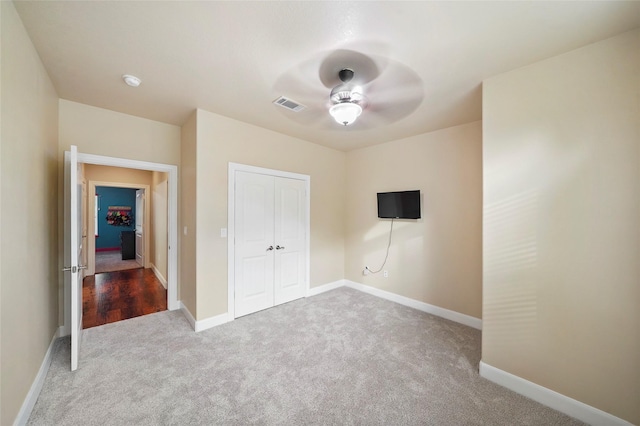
(119, 216)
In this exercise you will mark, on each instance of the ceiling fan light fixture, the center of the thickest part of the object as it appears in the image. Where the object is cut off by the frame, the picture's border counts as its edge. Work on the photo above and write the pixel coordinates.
(345, 113)
(347, 93)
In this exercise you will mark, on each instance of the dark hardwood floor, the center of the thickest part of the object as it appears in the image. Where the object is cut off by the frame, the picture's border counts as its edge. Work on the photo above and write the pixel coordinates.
(114, 296)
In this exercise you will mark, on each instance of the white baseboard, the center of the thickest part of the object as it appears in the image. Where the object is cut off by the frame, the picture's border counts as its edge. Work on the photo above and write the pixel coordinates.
(211, 322)
(187, 315)
(553, 399)
(412, 303)
(38, 382)
(314, 291)
(159, 276)
(325, 287)
(203, 324)
(416, 304)
(64, 330)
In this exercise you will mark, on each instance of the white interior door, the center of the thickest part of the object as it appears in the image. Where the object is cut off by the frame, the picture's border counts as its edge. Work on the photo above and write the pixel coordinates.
(270, 242)
(254, 248)
(290, 254)
(140, 206)
(73, 231)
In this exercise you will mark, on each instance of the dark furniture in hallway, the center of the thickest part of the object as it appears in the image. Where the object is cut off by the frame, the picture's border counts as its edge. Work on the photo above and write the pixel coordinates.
(128, 244)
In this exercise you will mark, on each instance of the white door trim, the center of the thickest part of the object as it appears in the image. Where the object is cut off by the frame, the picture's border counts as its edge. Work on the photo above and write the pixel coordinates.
(91, 232)
(231, 196)
(172, 216)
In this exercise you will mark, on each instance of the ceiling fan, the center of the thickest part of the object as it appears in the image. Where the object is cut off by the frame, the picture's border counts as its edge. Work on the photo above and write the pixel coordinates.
(361, 91)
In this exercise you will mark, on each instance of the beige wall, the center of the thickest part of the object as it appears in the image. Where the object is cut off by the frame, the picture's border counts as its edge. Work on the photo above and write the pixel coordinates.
(159, 220)
(187, 211)
(28, 271)
(436, 259)
(117, 175)
(221, 140)
(112, 134)
(561, 230)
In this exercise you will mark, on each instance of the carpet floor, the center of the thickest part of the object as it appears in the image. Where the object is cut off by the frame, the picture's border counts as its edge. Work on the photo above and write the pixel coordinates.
(110, 261)
(342, 357)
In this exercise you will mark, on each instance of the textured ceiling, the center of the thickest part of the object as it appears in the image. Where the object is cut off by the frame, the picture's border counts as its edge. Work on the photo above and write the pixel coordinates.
(424, 62)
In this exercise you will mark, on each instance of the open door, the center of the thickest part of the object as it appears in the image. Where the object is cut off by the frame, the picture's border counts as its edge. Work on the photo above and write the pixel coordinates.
(73, 248)
(140, 248)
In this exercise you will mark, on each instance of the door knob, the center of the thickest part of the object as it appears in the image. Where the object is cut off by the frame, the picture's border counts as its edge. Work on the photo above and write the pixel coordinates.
(269, 248)
(279, 247)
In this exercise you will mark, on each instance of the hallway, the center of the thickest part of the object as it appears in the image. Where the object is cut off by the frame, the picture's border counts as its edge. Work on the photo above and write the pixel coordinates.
(110, 261)
(120, 295)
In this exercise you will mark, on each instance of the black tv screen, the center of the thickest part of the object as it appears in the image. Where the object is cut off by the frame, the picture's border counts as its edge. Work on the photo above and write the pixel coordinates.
(399, 205)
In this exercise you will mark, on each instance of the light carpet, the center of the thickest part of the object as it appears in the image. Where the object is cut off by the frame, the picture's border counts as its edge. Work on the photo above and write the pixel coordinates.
(342, 357)
(110, 261)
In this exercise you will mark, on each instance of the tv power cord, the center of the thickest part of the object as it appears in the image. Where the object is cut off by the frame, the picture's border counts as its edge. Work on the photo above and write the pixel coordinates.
(368, 271)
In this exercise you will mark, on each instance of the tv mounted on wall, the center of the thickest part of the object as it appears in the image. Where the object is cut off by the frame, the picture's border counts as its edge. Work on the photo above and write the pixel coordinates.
(399, 205)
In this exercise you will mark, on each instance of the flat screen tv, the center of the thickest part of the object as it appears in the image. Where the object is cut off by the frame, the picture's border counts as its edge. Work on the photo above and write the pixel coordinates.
(399, 205)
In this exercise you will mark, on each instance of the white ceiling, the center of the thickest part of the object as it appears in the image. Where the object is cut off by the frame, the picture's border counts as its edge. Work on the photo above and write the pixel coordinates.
(235, 58)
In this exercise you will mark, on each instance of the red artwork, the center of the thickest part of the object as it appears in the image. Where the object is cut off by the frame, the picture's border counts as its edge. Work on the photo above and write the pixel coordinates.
(119, 216)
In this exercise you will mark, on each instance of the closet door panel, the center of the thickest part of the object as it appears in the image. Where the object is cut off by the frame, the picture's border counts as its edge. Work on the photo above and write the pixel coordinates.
(254, 235)
(290, 239)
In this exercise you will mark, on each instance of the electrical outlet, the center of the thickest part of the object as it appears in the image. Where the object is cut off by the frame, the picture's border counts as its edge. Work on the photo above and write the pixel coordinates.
(386, 273)
(365, 271)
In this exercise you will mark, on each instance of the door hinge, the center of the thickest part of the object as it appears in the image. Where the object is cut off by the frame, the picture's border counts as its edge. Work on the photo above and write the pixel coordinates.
(73, 269)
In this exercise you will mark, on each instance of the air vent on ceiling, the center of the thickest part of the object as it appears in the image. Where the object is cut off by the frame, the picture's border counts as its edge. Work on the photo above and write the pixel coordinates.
(289, 104)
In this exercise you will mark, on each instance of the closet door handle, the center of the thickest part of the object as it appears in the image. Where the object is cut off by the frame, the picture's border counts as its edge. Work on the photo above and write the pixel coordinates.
(279, 247)
(269, 248)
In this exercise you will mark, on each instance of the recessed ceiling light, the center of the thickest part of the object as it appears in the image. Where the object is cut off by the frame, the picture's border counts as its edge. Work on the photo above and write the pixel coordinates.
(131, 80)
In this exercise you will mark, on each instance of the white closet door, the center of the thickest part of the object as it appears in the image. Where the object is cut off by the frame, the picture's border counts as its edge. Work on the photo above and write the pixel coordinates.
(254, 246)
(290, 253)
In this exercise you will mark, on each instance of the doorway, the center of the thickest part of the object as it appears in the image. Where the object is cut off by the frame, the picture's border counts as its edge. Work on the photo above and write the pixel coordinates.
(171, 236)
(124, 241)
(122, 281)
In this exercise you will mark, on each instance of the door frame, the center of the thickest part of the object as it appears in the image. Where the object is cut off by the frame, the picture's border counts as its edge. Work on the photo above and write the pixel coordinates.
(172, 221)
(91, 231)
(231, 201)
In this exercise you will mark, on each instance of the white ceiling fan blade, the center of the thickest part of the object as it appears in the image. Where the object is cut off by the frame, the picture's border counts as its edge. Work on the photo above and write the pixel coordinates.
(391, 89)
